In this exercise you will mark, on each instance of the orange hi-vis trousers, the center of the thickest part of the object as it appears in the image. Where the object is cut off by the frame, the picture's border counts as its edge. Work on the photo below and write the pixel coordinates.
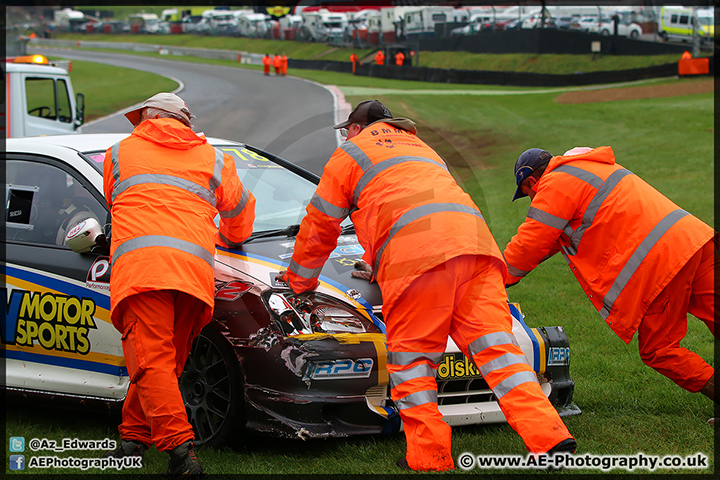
(664, 324)
(158, 328)
(464, 298)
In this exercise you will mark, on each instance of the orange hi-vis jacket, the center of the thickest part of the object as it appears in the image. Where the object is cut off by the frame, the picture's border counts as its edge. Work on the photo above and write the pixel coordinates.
(623, 240)
(165, 185)
(409, 213)
(380, 58)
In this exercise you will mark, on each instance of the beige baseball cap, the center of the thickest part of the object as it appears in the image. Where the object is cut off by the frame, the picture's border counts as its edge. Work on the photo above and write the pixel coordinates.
(164, 101)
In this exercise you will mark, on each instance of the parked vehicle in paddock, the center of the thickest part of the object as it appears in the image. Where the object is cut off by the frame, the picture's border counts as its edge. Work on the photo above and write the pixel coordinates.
(303, 366)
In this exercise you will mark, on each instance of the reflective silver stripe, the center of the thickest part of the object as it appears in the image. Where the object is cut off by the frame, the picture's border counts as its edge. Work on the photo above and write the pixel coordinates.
(228, 242)
(516, 272)
(239, 207)
(583, 175)
(152, 178)
(408, 358)
(163, 241)
(328, 208)
(513, 381)
(501, 362)
(303, 272)
(115, 158)
(418, 398)
(490, 340)
(420, 370)
(384, 165)
(358, 155)
(595, 204)
(416, 214)
(216, 179)
(637, 257)
(548, 219)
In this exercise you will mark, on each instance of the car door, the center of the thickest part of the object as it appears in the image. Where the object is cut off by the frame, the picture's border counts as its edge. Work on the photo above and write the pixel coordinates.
(57, 335)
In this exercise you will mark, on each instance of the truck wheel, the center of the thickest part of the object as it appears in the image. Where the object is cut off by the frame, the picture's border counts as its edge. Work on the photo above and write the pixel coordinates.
(212, 387)
(663, 36)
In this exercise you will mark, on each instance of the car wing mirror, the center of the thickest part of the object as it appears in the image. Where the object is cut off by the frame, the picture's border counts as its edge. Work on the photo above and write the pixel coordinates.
(80, 106)
(86, 235)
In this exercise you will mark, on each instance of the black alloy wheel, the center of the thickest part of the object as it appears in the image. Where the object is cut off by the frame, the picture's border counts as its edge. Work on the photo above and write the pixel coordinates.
(212, 388)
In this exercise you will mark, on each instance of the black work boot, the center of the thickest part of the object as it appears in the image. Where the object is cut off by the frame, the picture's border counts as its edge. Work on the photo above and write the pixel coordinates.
(183, 462)
(127, 448)
(568, 445)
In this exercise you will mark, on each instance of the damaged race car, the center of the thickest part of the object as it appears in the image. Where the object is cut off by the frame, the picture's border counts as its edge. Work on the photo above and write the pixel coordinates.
(305, 366)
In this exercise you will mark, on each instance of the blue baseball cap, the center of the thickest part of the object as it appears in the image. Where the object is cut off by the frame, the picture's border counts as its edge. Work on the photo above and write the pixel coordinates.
(529, 161)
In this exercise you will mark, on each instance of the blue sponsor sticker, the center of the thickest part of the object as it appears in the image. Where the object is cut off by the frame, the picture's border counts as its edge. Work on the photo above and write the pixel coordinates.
(559, 356)
(340, 369)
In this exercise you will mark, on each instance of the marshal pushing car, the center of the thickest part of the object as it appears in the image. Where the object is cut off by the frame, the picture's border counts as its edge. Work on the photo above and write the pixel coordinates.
(307, 366)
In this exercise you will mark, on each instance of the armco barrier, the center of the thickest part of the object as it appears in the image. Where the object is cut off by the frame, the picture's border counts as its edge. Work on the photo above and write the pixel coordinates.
(233, 55)
(424, 74)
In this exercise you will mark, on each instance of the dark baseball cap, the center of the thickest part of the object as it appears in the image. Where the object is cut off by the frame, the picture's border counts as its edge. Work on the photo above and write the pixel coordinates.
(529, 161)
(365, 113)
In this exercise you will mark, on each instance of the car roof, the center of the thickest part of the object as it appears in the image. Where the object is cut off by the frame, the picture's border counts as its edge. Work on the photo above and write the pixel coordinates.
(81, 142)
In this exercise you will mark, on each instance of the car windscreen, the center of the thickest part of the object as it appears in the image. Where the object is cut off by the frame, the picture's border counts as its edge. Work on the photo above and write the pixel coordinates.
(281, 195)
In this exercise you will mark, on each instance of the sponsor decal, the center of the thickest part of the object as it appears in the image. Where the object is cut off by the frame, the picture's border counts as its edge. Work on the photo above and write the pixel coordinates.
(230, 291)
(98, 277)
(559, 356)
(354, 294)
(76, 229)
(340, 369)
(345, 262)
(456, 365)
(53, 321)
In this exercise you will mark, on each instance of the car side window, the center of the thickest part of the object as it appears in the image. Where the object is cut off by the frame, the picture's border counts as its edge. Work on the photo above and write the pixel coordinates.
(43, 202)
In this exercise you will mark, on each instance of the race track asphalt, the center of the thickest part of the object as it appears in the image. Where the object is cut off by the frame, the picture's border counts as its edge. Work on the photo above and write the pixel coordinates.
(287, 116)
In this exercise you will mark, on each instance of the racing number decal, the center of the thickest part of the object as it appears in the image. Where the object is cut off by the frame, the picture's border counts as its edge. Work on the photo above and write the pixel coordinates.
(245, 155)
(231, 290)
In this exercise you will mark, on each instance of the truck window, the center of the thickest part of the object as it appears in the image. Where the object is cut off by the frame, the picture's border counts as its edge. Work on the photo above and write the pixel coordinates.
(41, 97)
(63, 102)
(684, 19)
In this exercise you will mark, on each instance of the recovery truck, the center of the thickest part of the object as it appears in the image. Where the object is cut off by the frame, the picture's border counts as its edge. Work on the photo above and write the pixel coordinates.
(39, 98)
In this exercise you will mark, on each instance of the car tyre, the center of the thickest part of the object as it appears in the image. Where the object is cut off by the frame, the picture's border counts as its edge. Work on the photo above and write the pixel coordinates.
(605, 33)
(634, 34)
(212, 388)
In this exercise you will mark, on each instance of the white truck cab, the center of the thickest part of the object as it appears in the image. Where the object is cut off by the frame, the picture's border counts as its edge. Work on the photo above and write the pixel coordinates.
(40, 99)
